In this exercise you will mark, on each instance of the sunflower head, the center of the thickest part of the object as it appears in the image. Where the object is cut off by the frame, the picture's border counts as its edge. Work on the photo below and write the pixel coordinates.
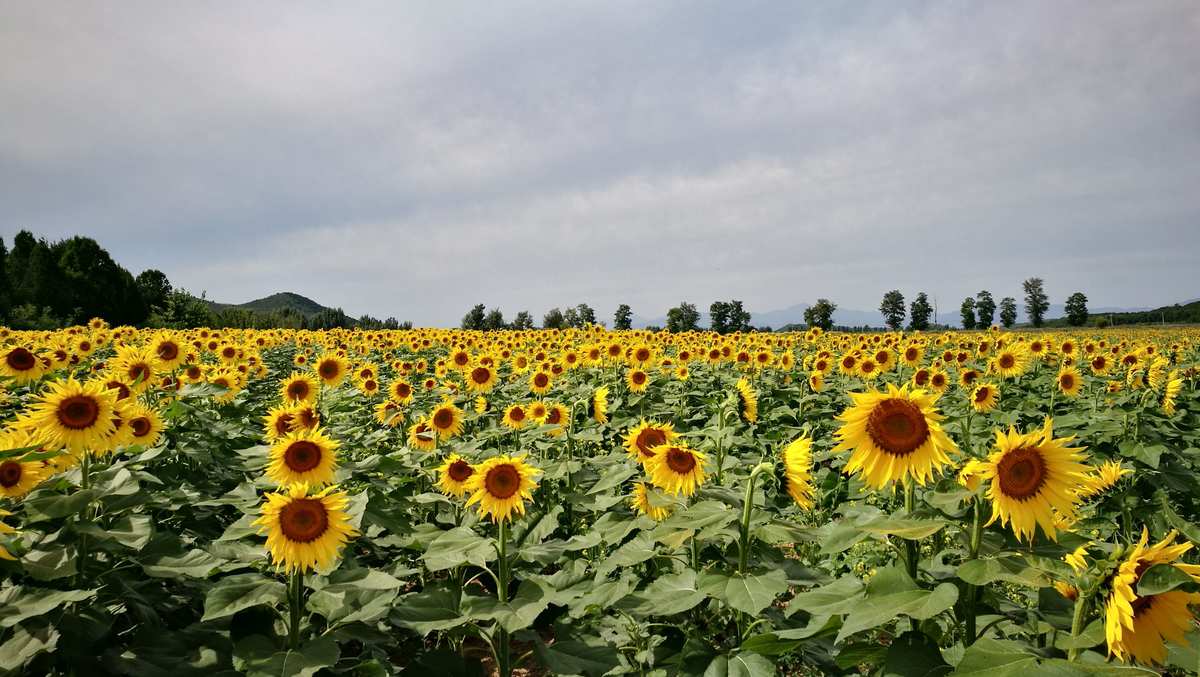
(75, 416)
(747, 400)
(447, 420)
(984, 397)
(642, 439)
(894, 435)
(421, 435)
(303, 457)
(647, 502)
(797, 467)
(598, 405)
(501, 485)
(453, 475)
(676, 469)
(304, 532)
(1135, 625)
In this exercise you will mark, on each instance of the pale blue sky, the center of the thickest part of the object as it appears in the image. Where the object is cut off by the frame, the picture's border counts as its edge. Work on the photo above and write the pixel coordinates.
(411, 159)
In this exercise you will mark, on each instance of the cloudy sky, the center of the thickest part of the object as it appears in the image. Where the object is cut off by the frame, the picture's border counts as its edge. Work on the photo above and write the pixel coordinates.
(412, 159)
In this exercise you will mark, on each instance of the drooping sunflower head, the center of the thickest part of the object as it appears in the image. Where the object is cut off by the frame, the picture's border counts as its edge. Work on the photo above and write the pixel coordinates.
(647, 502)
(1136, 625)
(1102, 478)
(305, 532)
(75, 416)
(642, 439)
(389, 413)
(501, 485)
(747, 400)
(816, 381)
(422, 436)
(453, 475)
(303, 457)
(797, 467)
(1171, 392)
(676, 469)
(447, 420)
(894, 435)
(1033, 477)
(598, 405)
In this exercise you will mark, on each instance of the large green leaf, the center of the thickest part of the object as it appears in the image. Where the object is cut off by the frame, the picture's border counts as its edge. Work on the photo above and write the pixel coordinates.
(838, 597)
(1008, 569)
(743, 664)
(255, 656)
(242, 591)
(457, 547)
(20, 602)
(572, 657)
(24, 644)
(892, 593)
(192, 564)
(749, 593)
(428, 611)
(515, 614)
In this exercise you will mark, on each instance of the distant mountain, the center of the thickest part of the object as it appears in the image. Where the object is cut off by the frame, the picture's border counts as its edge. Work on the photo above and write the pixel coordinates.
(277, 302)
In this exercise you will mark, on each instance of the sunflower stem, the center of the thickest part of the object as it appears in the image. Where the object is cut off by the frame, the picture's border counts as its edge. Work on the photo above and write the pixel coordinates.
(1077, 622)
(85, 483)
(503, 660)
(973, 591)
(296, 607)
(910, 546)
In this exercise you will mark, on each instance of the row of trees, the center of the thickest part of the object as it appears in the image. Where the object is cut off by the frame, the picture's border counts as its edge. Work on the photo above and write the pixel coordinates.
(980, 310)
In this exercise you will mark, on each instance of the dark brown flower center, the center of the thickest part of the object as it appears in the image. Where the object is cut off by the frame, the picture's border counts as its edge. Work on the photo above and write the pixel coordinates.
(639, 377)
(167, 351)
(982, 394)
(502, 481)
(680, 460)
(897, 427)
(1007, 361)
(1067, 381)
(481, 375)
(517, 414)
(283, 423)
(648, 439)
(141, 426)
(1021, 473)
(298, 390)
(20, 359)
(303, 520)
(78, 412)
(460, 470)
(443, 418)
(540, 380)
(10, 474)
(302, 456)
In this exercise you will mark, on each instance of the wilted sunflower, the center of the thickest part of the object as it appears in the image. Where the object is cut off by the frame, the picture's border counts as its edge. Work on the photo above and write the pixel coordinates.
(422, 436)
(305, 532)
(1103, 478)
(747, 400)
(453, 475)
(303, 457)
(984, 397)
(797, 467)
(447, 420)
(76, 416)
(501, 485)
(893, 435)
(637, 380)
(642, 439)
(972, 474)
(816, 381)
(1033, 477)
(644, 502)
(1069, 381)
(676, 469)
(331, 369)
(1136, 625)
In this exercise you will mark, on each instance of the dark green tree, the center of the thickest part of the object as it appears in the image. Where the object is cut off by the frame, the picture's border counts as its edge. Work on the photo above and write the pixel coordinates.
(554, 319)
(968, 313)
(718, 317)
(494, 320)
(1036, 300)
(623, 318)
(153, 286)
(571, 317)
(918, 313)
(523, 320)
(587, 316)
(475, 317)
(892, 309)
(739, 317)
(1077, 310)
(683, 317)
(1008, 311)
(820, 314)
(181, 310)
(985, 308)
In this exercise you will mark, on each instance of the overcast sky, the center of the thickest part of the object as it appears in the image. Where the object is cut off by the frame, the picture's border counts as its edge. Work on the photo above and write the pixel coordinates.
(412, 159)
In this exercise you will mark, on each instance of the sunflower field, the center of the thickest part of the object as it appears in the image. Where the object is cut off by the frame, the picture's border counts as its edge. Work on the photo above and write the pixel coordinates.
(587, 502)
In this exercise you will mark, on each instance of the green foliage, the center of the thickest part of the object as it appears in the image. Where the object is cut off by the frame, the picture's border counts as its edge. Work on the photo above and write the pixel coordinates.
(1076, 308)
(967, 313)
(919, 312)
(623, 318)
(1036, 300)
(985, 309)
(683, 317)
(820, 314)
(1008, 311)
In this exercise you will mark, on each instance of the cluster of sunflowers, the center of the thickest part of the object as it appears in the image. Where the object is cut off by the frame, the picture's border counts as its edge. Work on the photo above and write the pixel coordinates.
(486, 412)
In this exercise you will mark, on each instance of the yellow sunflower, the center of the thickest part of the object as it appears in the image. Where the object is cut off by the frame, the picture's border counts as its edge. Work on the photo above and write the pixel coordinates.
(598, 405)
(816, 381)
(1136, 625)
(515, 417)
(17, 477)
(501, 485)
(447, 420)
(305, 532)
(78, 417)
(1171, 392)
(1069, 381)
(1103, 478)
(278, 422)
(4, 531)
(676, 469)
(168, 350)
(984, 397)
(331, 369)
(481, 379)
(1031, 478)
(389, 413)
(557, 415)
(797, 466)
(400, 391)
(642, 439)
(747, 400)
(1011, 361)
(644, 502)
(893, 435)
(453, 475)
(145, 424)
(21, 364)
(303, 457)
(422, 436)
(539, 382)
(637, 380)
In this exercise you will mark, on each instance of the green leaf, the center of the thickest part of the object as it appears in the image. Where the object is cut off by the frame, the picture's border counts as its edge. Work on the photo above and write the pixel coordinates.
(24, 644)
(1161, 578)
(304, 662)
(744, 664)
(513, 615)
(242, 591)
(132, 531)
(892, 593)
(666, 596)
(572, 657)
(751, 593)
(193, 564)
(995, 658)
(611, 480)
(914, 654)
(44, 505)
(19, 602)
(1190, 531)
(638, 549)
(456, 547)
(428, 611)
(838, 597)
(911, 529)
(861, 653)
(770, 644)
(52, 563)
(1008, 569)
